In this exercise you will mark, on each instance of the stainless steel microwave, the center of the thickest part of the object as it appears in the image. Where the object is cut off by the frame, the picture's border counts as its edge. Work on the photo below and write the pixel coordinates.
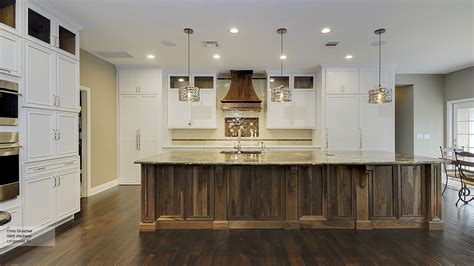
(8, 103)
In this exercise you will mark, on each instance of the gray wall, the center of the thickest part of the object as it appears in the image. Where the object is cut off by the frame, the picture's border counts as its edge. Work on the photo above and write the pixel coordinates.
(404, 120)
(429, 105)
(459, 84)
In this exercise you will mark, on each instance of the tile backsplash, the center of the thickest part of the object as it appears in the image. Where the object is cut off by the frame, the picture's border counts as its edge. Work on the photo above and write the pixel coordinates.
(249, 127)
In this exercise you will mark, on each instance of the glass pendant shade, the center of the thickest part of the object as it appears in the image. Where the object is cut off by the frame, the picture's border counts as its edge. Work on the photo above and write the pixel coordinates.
(281, 94)
(380, 95)
(189, 94)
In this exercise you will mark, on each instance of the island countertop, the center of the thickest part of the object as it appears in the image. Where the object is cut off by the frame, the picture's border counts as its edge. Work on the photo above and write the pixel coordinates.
(286, 158)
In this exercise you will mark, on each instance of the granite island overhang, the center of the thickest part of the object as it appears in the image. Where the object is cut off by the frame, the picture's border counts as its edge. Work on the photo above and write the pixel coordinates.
(291, 190)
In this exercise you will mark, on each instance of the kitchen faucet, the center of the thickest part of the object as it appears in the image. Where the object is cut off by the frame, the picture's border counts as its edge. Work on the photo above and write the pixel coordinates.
(238, 146)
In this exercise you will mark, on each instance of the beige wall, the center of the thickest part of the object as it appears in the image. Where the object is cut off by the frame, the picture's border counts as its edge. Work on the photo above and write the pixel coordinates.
(459, 84)
(404, 120)
(429, 105)
(271, 137)
(100, 77)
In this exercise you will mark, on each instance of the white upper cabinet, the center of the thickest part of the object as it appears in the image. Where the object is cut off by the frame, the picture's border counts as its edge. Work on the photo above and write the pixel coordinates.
(50, 134)
(68, 83)
(11, 16)
(139, 82)
(40, 81)
(199, 115)
(342, 80)
(46, 29)
(10, 53)
(300, 112)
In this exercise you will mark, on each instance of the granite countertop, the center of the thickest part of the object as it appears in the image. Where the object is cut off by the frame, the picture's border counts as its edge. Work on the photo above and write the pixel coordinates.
(285, 158)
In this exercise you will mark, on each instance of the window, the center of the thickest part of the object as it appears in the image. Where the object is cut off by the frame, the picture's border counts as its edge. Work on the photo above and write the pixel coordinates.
(463, 125)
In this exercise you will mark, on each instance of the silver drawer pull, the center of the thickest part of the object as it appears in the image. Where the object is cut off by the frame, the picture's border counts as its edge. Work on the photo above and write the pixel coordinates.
(39, 168)
(68, 163)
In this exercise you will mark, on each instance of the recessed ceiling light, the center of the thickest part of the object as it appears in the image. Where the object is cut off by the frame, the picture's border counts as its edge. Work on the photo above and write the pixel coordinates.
(282, 57)
(326, 30)
(150, 56)
(234, 30)
(216, 56)
(348, 56)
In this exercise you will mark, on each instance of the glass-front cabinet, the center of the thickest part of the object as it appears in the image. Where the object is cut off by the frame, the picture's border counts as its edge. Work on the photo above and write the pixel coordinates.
(276, 81)
(47, 30)
(303, 82)
(10, 18)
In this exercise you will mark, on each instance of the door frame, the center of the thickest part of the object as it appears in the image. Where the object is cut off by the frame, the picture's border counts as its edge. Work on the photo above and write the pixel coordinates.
(449, 118)
(86, 144)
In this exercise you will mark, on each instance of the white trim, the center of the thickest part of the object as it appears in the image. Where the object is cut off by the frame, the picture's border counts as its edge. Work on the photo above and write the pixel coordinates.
(449, 119)
(95, 190)
(87, 140)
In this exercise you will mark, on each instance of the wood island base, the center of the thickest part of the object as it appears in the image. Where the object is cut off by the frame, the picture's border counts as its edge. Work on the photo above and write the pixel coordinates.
(360, 197)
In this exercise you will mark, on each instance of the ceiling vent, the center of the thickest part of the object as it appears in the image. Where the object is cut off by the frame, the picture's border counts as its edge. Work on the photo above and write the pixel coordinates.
(331, 43)
(113, 54)
(210, 44)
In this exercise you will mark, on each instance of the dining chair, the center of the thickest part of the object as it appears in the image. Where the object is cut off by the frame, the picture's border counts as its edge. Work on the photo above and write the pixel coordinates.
(449, 169)
(465, 165)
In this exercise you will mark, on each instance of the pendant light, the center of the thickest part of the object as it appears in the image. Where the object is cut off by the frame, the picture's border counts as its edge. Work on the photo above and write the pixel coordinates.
(189, 93)
(380, 94)
(281, 93)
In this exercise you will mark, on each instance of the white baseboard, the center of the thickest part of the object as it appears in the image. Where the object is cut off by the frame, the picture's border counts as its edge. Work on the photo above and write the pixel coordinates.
(103, 187)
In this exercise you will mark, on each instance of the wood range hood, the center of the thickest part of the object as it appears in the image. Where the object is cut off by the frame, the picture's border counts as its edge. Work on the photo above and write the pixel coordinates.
(241, 94)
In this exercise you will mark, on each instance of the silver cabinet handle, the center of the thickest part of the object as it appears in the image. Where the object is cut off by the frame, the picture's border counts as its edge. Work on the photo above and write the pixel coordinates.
(327, 139)
(360, 139)
(39, 168)
(53, 39)
(59, 101)
(68, 163)
(59, 181)
(55, 134)
(139, 139)
(55, 182)
(59, 134)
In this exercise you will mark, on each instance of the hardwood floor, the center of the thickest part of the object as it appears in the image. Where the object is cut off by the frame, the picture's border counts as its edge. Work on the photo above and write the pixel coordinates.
(106, 233)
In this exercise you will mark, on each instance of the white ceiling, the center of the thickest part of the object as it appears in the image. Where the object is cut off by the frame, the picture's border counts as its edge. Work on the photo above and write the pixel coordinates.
(422, 36)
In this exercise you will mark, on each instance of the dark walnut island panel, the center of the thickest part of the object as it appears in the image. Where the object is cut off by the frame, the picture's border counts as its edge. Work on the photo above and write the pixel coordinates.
(292, 190)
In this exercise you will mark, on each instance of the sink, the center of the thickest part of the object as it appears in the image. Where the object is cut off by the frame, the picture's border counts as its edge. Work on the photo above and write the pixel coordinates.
(242, 152)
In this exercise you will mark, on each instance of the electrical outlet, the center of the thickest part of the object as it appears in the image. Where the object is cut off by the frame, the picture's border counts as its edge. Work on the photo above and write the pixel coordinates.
(419, 136)
(427, 136)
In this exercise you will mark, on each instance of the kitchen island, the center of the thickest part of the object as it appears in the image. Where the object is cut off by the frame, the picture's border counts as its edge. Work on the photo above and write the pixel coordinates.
(291, 190)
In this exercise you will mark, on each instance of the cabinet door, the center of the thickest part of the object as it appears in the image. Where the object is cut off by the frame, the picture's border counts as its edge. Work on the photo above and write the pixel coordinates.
(39, 200)
(10, 16)
(68, 139)
(10, 53)
(350, 80)
(200, 192)
(240, 198)
(303, 112)
(333, 80)
(128, 82)
(147, 118)
(129, 171)
(39, 26)
(367, 80)
(203, 113)
(148, 82)
(68, 83)
(377, 125)
(279, 114)
(40, 137)
(68, 193)
(171, 186)
(341, 189)
(179, 113)
(67, 41)
(40, 81)
(342, 123)
(269, 192)
(129, 118)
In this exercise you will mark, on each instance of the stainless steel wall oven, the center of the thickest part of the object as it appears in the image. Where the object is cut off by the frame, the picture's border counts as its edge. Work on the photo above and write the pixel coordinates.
(9, 165)
(8, 103)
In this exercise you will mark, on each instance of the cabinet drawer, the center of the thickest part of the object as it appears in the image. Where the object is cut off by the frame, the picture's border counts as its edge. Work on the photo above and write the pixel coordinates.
(51, 166)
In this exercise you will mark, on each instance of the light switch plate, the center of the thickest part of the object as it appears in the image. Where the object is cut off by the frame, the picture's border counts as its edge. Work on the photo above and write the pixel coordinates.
(419, 136)
(427, 136)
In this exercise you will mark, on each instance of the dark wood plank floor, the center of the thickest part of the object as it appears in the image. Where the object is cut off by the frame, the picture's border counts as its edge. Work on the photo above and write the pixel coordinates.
(106, 233)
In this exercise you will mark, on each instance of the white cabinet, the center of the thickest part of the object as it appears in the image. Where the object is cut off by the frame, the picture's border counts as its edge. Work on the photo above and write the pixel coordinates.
(351, 123)
(342, 80)
(11, 16)
(40, 76)
(51, 193)
(200, 115)
(10, 53)
(48, 30)
(67, 83)
(342, 123)
(300, 112)
(138, 81)
(50, 134)
(138, 133)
